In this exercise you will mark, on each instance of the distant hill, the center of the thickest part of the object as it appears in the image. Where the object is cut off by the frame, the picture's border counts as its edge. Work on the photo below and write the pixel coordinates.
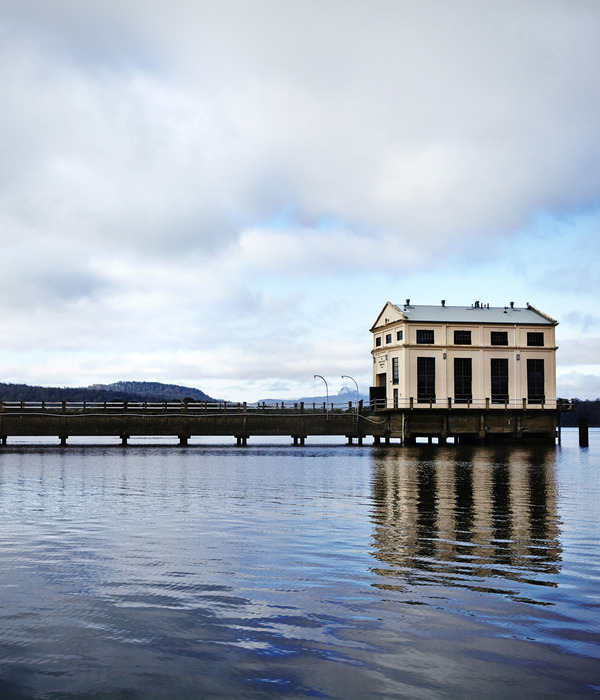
(343, 396)
(122, 391)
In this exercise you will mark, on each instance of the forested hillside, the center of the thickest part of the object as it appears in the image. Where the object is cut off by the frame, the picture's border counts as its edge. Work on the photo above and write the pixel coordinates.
(589, 409)
(122, 391)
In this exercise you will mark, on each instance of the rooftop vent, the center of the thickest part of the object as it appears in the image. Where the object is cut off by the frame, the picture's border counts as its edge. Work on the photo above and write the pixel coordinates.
(512, 304)
(407, 302)
(443, 302)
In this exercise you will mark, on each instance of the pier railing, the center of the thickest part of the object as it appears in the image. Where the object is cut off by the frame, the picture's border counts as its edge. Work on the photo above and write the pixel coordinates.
(190, 407)
(468, 404)
(185, 419)
(198, 407)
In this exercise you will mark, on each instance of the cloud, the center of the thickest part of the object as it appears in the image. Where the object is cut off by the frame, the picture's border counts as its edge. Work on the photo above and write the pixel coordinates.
(245, 180)
(580, 351)
(578, 385)
(387, 123)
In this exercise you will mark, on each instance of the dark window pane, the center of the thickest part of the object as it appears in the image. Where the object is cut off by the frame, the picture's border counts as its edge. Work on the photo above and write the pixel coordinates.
(399, 335)
(535, 381)
(425, 379)
(463, 373)
(395, 372)
(462, 337)
(499, 337)
(535, 339)
(424, 337)
(388, 338)
(377, 342)
(499, 376)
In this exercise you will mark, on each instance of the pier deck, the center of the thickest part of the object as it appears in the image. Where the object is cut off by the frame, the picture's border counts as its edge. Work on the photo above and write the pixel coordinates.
(242, 421)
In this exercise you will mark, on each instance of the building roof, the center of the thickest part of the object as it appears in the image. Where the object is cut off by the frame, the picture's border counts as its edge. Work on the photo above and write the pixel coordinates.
(476, 313)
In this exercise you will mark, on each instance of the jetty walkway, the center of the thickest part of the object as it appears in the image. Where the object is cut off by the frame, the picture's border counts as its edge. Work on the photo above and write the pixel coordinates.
(187, 419)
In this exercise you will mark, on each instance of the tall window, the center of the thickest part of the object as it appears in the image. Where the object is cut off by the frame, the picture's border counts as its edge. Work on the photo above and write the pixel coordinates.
(462, 337)
(535, 339)
(378, 341)
(399, 335)
(424, 337)
(499, 338)
(395, 372)
(425, 379)
(463, 373)
(535, 381)
(388, 338)
(499, 375)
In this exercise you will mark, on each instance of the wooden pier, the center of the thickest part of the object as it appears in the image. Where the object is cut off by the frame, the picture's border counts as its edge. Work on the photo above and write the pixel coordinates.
(186, 420)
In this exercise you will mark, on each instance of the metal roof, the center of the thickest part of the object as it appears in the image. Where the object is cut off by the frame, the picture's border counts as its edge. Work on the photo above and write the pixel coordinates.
(475, 314)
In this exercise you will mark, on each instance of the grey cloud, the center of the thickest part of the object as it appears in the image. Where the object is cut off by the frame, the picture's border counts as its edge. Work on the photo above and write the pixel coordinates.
(410, 120)
(583, 320)
(581, 351)
(168, 166)
(578, 385)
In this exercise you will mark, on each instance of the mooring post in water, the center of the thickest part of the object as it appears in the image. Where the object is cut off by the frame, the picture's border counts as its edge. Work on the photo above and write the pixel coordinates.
(583, 432)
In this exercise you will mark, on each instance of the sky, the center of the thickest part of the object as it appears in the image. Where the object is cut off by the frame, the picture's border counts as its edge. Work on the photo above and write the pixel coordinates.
(224, 194)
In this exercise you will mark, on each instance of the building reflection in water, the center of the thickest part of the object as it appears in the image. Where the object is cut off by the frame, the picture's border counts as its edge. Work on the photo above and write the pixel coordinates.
(476, 517)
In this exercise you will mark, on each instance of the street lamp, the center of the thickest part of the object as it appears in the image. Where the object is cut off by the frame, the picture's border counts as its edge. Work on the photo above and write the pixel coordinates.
(326, 390)
(347, 376)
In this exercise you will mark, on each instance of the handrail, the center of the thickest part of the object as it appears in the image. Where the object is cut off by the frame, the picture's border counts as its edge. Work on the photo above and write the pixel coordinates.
(187, 407)
(439, 403)
(219, 407)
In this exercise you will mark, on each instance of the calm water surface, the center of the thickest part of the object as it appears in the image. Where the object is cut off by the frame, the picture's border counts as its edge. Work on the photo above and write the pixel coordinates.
(329, 571)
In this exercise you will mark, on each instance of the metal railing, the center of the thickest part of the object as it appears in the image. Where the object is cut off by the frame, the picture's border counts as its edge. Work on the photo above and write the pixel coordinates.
(188, 407)
(412, 403)
(220, 407)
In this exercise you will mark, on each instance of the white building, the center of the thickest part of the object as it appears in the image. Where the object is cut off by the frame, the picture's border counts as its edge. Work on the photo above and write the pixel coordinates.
(463, 356)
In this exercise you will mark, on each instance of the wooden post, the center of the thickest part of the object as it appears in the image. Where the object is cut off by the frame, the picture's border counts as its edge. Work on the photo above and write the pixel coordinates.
(583, 432)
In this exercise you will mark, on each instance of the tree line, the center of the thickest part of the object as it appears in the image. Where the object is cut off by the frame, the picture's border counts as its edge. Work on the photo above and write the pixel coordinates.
(119, 391)
(589, 409)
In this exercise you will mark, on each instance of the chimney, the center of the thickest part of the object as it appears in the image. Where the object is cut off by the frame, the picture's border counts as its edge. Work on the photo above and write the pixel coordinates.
(512, 304)
(407, 302)
(443, 302)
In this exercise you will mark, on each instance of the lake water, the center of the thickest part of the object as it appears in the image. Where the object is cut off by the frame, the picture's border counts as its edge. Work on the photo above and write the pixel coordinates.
(327, 571)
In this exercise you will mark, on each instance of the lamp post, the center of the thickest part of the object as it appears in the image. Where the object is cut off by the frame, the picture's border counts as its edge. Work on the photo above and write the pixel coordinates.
(347, 376)
(326, 390)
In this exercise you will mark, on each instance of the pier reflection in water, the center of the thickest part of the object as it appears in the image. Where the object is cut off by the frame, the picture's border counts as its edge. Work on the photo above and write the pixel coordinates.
(476, 518)
(329, 571)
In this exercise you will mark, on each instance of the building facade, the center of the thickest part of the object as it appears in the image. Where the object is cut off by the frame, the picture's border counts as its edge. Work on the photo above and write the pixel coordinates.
(463, 356)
